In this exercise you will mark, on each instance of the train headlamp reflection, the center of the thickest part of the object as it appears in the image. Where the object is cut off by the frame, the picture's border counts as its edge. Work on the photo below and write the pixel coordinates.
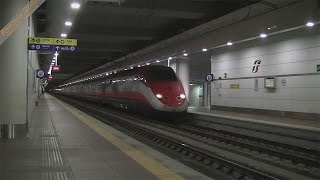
(159, 96)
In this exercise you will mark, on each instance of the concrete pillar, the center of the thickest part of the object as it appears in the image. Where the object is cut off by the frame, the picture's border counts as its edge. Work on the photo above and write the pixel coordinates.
(182, 69)
(13, 74)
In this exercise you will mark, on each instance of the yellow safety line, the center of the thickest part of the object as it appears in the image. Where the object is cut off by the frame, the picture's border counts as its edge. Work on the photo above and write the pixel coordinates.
(155, 167)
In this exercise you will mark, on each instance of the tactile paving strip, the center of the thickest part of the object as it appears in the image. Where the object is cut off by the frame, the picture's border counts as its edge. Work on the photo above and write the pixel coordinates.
(54, 162)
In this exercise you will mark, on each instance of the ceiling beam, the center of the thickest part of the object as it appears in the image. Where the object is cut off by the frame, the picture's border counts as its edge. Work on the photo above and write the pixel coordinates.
(103, 37)
(162, 13)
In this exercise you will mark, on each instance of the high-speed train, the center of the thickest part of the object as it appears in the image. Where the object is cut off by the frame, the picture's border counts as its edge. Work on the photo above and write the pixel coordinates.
(147, 88)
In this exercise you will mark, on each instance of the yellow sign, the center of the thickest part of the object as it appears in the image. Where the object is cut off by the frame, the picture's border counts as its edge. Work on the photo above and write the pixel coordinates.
(40, 40)
(234, 86)
(53, 41)
(66, 42)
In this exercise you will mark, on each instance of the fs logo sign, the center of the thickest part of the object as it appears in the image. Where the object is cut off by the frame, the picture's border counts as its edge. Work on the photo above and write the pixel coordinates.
(256, 65)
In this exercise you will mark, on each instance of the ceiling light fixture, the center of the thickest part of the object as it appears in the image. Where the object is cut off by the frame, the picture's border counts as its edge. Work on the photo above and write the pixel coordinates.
(204, 49)
(169, 58)
(75, 5)
(310, 24)
(63, 35)
(148, 64)
(157, 61)
(263, 35)
(272, 27)
(229, 43)
(68, 23)
(185, 54)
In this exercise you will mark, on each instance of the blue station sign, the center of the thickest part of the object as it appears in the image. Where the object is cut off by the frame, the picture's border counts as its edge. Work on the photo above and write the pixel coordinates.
(41, 47)
(64, 48)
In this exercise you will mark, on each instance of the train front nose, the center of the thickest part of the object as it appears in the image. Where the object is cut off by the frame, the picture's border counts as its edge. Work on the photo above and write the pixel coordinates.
(171, 94)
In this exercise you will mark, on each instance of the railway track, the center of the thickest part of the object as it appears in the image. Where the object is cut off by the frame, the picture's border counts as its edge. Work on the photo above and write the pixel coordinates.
(297, 159)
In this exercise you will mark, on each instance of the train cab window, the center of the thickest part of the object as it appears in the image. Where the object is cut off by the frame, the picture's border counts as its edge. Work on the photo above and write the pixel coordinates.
(159, 73)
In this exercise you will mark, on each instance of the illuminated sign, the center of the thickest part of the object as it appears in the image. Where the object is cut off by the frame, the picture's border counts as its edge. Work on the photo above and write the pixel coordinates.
(234, 86)
(52, 44)
(40, 40)
(66, 42)
(270, 82)
(55, 68)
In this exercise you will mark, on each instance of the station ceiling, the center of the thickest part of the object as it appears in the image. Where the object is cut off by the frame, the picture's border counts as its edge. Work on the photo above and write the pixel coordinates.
(107, 30)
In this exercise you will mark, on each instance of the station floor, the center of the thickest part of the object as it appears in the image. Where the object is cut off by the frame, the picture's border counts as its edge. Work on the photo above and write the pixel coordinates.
(66, 144)
(260, 119)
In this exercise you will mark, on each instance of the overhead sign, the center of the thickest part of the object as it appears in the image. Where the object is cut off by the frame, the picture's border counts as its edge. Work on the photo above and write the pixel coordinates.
(55, 68)
(66, 42)
(40, 40)
(40, 73)
(41, 47)
(52, 44)
(64, 48)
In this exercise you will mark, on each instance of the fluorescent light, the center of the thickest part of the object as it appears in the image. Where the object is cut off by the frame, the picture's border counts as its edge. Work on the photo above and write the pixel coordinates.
(169, 58)
(68, 23)
(263, 35)
(204, 49)
(138, 65)
(185, 54)
(229, 43)
(157, 61)
(75, 5)
(148, 64)
(63, 35)
(310, 24)
(190, 84)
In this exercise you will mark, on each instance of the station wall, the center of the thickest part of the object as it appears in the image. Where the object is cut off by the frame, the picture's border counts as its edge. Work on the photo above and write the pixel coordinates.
(33, 85)
(292, 59)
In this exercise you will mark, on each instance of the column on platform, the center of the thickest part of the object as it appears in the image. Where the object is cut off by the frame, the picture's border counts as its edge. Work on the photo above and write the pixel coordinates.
(13, 74)
(182, 68)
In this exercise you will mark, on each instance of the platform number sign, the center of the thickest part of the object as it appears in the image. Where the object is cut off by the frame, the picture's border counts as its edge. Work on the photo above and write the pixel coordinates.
(209, 77)
(40, 73)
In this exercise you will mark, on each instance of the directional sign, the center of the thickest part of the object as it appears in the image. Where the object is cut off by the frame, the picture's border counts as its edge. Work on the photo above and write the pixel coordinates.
(52, 41)
(40, 73)
(40, 40)
(64, 48)
(66, 42)
(41, 47)
(52, 44)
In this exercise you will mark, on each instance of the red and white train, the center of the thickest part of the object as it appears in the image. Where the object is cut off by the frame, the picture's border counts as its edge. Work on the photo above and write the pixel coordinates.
(147, 88)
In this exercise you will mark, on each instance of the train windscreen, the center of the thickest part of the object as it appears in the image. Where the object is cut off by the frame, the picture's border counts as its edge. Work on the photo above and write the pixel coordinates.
(159, 73)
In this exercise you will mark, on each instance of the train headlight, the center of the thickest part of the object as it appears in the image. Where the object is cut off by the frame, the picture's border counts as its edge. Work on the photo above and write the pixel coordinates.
(182, 96)
(159, 96)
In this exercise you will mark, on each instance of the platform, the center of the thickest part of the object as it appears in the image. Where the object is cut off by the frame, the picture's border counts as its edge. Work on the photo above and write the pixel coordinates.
(65, 144)
(260, 119)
